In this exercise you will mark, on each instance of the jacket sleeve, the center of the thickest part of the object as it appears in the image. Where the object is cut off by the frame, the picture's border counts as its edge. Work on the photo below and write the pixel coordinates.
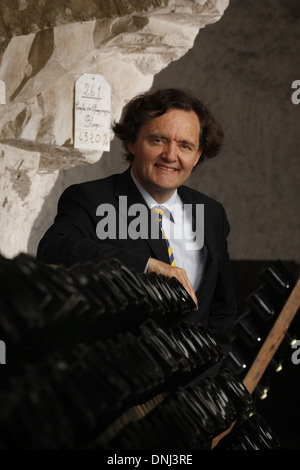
(72, 237)
(223, 306)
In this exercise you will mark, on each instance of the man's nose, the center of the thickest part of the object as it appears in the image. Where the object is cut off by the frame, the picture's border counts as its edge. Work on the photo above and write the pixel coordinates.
(170, 152)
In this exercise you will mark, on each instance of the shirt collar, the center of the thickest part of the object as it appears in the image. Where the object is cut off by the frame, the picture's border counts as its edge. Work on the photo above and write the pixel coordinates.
(174, 200)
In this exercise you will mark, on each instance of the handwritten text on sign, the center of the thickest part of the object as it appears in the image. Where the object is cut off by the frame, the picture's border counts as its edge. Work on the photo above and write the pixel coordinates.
(92, 113)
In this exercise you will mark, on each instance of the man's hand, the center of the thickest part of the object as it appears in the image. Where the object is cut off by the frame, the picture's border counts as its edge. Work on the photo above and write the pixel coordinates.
(159, 267)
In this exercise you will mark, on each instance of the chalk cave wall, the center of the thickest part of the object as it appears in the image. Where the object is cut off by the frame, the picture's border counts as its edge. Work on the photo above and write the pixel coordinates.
(239, 57)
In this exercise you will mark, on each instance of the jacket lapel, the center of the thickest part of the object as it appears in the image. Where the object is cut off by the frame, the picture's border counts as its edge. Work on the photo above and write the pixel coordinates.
(125, 187)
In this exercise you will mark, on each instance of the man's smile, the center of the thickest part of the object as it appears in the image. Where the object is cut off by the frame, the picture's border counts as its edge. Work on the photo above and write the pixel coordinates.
(162, 167)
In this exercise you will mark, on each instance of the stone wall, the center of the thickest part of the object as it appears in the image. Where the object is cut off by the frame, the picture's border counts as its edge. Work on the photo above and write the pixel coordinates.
(44, 49)
(242, 67)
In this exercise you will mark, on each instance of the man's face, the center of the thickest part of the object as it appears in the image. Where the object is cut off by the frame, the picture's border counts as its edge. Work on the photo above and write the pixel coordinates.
(166, 152)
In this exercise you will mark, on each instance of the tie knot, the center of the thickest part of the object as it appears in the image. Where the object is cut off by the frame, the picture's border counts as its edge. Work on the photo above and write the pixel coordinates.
(159, 215)
(163, 211)
(160, 210)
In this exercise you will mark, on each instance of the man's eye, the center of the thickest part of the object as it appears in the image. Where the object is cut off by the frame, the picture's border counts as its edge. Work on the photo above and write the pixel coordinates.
(157, 140)
(186, 147)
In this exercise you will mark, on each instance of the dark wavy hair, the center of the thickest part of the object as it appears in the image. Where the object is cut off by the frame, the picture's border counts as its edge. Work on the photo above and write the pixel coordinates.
(142, 108)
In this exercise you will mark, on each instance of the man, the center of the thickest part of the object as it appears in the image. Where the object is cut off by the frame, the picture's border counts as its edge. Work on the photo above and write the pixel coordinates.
(165, 135)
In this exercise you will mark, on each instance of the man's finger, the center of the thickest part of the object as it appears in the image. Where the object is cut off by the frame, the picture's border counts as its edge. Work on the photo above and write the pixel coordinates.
(160, 267)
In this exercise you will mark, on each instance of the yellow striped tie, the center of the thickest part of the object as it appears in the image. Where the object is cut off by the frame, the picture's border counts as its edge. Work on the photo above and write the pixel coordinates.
(160, 212)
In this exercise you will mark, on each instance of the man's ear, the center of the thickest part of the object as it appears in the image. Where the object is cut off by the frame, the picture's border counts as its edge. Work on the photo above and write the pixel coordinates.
(131, 147)
(198, 157)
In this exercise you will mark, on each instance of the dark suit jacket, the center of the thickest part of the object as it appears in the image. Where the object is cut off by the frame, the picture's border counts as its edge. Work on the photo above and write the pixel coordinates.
(72, 238)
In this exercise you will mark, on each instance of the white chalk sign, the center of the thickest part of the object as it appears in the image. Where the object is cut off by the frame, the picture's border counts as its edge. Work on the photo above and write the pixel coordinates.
(92, 112)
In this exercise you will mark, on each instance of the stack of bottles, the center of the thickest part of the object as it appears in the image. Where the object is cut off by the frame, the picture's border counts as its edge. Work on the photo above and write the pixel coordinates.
(89, 346)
